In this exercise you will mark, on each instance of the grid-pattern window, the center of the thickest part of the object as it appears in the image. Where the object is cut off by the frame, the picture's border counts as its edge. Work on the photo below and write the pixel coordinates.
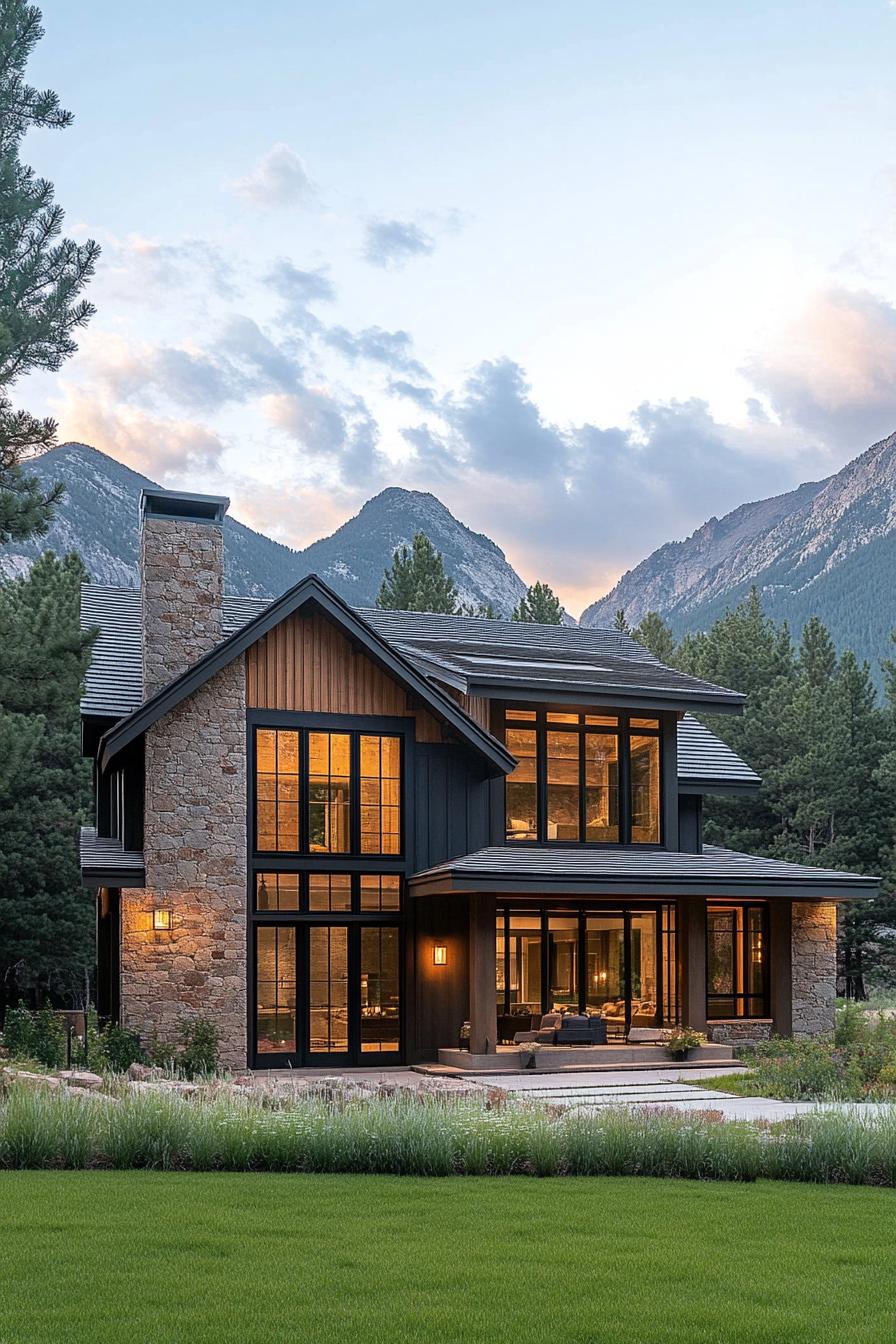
(329, 793)
(277, 789)
(329, 891)
(522, 784)
(275, 990)
(380, 891)
(380, 761)
(602, 787)
(277, 891)
(563, 784)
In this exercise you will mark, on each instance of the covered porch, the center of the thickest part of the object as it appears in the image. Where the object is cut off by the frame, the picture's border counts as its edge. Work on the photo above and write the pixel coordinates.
(735, 947)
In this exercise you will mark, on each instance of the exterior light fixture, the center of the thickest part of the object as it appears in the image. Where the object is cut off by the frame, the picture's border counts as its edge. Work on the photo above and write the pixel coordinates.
(440, 955)
(161, 920)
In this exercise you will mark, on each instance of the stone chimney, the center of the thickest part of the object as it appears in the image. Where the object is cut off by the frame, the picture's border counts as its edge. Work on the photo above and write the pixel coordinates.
(181, 581)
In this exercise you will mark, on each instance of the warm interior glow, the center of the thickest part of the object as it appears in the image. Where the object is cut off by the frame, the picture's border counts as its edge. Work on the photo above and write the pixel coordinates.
(440, 955)
(161, 920)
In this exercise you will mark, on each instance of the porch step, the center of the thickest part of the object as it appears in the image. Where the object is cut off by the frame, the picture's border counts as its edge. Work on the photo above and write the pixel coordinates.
(687, 1095)
(452, 1071)
(566, 1059)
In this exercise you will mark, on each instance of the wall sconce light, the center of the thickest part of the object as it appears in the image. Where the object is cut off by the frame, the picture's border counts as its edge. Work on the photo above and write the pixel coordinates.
(161, 920)
(440, 955)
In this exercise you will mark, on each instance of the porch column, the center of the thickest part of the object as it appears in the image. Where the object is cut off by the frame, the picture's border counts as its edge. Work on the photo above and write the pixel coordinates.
(483, 1002)
(780, 970)
(692, 960)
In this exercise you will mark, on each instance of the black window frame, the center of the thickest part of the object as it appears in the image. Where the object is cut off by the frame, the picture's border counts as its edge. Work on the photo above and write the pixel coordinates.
(667, 989)
(355, 727)
(735, 998)
(623, 733)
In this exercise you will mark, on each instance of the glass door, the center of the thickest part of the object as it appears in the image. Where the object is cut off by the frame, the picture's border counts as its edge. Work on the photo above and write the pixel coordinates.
(327, 994)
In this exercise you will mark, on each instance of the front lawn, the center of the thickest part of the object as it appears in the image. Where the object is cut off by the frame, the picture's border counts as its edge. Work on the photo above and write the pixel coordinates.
(103, 1257)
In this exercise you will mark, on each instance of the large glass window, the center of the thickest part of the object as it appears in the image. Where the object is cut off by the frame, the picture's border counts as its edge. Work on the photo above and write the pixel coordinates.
(328, 989)
(522, 785)
(277, 789)
(736, 961)
(275, 990)
(317, 893)
(566, 786)
(327, 792)
(619, 963)
(379, 991)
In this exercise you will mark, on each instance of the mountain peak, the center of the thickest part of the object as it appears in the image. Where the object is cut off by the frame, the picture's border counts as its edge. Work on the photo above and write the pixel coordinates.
(826, 548)
(98, 518)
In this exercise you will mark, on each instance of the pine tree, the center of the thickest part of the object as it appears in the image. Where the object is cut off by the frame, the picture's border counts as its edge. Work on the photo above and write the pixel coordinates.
(416, 581)
(41, 276)
(46, 916)
(655, 635)
(620, 623)
(539, 606)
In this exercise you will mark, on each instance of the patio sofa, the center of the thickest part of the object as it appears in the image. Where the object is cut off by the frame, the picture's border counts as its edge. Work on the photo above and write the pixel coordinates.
(566, 1029)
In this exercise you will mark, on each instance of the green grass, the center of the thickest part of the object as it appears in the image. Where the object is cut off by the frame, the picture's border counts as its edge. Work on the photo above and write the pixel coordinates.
(142, 1257)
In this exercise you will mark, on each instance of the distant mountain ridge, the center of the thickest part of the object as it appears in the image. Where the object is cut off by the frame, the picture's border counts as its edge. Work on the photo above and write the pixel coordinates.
(827, 548)
(98, 518)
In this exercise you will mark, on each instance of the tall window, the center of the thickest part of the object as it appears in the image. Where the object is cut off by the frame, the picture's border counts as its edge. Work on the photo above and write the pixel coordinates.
(380, 795)
(736, 961)
(570, 781)
(327, 792)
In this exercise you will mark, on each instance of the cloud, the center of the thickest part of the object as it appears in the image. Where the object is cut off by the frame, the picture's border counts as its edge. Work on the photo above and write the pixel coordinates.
(278, 180)
(391, 243)
(392, 348)
(138, 267)
(832, 372)
(264, 363)
(160, 447)
(501, 426)
(421, 396)
(297, 289)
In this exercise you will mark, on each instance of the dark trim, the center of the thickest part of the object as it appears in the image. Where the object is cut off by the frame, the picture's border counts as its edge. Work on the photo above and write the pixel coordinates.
(448, 882)
(734, 998)
(609, 695)
(110, 876)
(313, 592)
(692, 784)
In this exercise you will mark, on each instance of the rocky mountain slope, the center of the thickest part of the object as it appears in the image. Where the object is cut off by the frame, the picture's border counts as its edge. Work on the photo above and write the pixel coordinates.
(98, 518)
(826, 548)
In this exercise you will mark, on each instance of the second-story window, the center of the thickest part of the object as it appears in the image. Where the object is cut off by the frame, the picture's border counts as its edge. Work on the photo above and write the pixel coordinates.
(333, 793)
(592, 778)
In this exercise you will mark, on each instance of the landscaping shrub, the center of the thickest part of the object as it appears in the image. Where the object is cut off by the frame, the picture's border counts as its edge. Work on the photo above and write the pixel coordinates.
(410, 1134)
(200, 1040)
(122, 1048)
(18, 1032)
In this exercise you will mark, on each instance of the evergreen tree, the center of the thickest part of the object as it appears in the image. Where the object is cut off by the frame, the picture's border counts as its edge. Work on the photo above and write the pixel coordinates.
(620, 623)
(46, 916)
(40, 275)
(416, 581)
(655, 635)
(539, 606)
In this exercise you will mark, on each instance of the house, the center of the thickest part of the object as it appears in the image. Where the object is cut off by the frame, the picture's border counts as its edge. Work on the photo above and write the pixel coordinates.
(343, 834)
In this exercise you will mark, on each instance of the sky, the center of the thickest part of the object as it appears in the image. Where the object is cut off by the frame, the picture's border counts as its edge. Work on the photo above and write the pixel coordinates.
(590, 272)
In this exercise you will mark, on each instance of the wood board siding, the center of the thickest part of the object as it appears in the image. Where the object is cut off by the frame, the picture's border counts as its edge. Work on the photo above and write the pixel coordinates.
(306, 664)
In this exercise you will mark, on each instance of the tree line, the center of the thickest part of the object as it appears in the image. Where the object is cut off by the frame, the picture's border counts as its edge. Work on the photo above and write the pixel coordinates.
(824, 744)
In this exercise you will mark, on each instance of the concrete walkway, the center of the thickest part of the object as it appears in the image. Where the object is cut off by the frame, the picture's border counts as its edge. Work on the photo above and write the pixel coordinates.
(667, 1088)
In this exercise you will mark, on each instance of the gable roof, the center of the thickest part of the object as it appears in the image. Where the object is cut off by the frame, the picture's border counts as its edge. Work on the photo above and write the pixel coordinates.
(706, 764)
(310, 591)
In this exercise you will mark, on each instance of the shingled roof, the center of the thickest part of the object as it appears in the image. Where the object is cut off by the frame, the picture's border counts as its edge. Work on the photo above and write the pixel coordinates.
(648, 873)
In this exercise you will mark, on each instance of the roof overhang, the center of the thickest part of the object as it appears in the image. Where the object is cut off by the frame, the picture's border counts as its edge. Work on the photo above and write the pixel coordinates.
(718, 786)
(622, 697)
(312, 593)
(644, 877)
(105, 864)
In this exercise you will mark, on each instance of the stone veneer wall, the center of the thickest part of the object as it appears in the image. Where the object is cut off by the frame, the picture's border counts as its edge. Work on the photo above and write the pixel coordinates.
(195, 856)
(814, 966)
(740, 1033)
(182, 587)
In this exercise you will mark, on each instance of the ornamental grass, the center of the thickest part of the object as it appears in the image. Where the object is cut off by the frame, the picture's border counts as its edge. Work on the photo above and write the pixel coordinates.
(412, 1135)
